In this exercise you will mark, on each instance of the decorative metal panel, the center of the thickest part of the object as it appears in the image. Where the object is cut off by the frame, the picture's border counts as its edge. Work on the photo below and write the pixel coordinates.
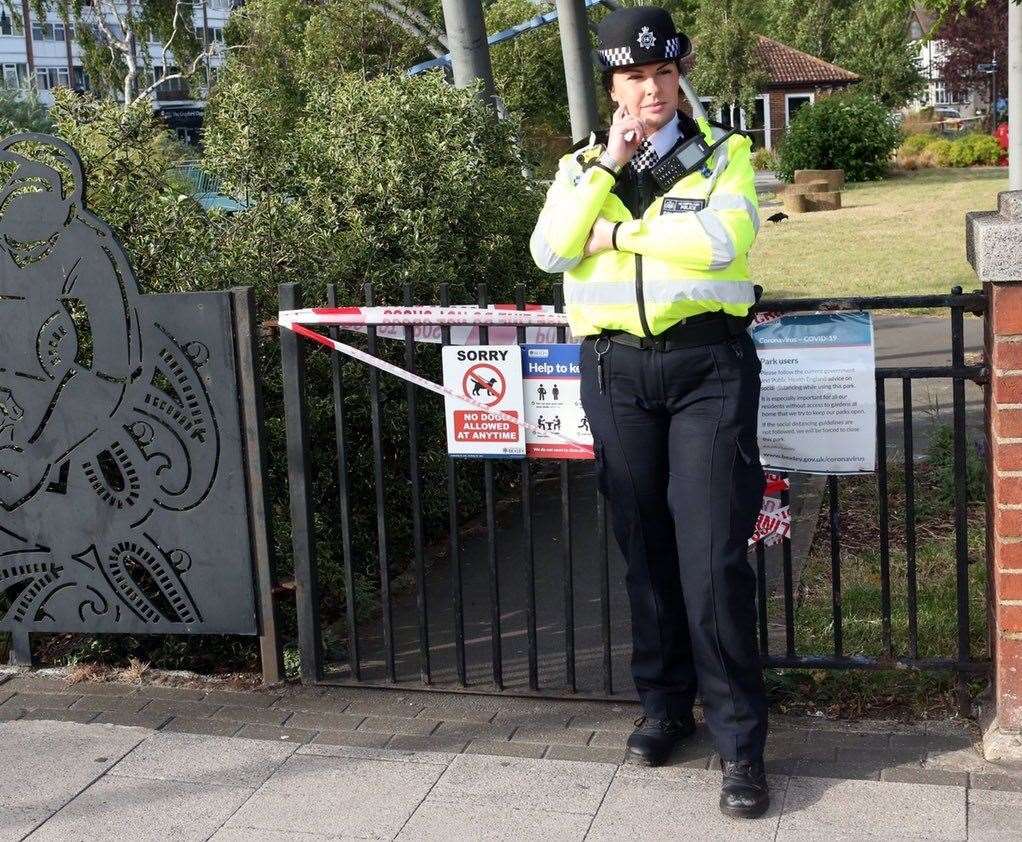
(123, 495)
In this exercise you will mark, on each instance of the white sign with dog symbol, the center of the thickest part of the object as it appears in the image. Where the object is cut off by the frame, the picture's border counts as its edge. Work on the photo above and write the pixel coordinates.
(488, 376)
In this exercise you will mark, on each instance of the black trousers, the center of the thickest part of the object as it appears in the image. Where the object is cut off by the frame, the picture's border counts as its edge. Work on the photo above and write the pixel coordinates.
(677, 458)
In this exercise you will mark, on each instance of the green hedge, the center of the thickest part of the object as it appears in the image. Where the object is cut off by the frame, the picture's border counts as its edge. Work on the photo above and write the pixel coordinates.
(930, 150)
(388, 180)
(849, 131)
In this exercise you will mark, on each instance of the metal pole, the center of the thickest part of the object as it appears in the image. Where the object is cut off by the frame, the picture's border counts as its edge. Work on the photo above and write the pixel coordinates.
(470, 52)
(578, 67)
(1014, 96)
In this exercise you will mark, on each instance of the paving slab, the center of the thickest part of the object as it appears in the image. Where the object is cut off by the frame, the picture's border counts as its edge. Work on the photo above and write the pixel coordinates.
(248, 834)
(371, 799)
(205, 759)
(994, 816)
(130, 809)
(559, 786)
(870, 809)
(198, 725)
(682, 808)
(442, 820)
(49, 763)
(429, 758)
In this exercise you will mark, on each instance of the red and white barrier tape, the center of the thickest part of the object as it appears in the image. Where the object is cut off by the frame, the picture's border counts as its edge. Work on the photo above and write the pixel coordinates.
(462, 315)
(774, 522)
(397, 371)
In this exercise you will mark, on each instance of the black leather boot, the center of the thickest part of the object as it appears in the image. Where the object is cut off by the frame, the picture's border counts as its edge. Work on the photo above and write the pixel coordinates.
(744, 793)
(653, 740)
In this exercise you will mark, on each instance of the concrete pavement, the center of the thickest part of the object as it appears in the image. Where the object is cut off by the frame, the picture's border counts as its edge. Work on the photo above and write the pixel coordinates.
(68, 781)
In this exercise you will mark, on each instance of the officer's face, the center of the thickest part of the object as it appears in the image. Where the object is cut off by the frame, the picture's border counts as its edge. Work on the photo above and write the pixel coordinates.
(649, 91)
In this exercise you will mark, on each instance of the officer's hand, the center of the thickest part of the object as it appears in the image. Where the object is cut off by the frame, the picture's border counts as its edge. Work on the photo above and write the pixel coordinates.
(600, 238)
(617, 145)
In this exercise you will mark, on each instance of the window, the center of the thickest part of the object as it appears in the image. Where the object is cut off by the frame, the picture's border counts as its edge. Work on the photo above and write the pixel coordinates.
(10, 26)
(943, 96)
(214, 35)
(15, 75)
(49, 78)
(172, 88)
(81, 80)
(731, 116)
(48, 32)
(793, 102)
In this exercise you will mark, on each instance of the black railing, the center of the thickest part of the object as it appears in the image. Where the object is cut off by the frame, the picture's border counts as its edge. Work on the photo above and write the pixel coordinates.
(507, 604)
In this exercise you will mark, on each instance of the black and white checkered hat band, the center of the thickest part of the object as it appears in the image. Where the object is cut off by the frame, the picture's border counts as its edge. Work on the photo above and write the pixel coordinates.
(672, 49)
(617, 56)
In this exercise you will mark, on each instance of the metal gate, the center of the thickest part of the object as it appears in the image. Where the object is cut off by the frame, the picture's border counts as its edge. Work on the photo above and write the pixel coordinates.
(520, 592)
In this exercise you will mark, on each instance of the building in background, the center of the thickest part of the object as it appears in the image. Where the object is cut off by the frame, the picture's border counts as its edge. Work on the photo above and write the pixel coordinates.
(43, 54)
(967, 104)
(794, 79)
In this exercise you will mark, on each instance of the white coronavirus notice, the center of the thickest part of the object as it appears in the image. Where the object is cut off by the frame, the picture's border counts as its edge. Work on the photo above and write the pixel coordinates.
(487, 376)
(817, 412)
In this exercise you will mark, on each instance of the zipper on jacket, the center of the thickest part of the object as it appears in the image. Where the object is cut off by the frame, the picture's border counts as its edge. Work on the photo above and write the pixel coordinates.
(640, 299)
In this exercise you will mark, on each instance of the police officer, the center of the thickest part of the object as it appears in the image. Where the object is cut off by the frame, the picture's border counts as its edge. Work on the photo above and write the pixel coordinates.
(651, 224)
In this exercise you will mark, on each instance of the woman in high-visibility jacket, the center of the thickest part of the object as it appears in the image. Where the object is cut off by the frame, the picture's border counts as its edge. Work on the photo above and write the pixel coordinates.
(651, 226)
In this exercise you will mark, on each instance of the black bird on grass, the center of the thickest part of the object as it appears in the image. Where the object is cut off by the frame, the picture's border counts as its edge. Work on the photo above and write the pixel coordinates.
(780, 216)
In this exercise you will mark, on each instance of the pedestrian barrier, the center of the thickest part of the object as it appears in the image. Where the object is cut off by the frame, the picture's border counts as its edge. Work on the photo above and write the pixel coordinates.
(497, 619)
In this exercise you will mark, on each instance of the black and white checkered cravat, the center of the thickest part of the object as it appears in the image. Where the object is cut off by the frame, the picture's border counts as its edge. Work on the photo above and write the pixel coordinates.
(645, 157)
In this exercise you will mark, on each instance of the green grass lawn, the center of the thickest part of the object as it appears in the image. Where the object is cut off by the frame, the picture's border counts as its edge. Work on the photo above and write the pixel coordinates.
(902, 236)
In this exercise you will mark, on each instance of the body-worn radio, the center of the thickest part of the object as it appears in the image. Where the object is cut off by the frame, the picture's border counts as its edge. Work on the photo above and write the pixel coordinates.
(686, 159)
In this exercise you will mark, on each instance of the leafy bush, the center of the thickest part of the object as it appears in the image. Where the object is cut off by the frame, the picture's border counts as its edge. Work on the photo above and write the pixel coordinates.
(848, 131)
(390, 180)
(927, 150)
(984, 149)
(916, 143)
(937, 154)
(348, 179)
(22, 111)
(764, 159)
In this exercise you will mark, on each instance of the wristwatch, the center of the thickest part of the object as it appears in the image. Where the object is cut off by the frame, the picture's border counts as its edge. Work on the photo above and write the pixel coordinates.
(607, 162)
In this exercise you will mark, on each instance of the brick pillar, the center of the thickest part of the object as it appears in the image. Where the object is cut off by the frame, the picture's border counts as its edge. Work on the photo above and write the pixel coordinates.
(994, 248)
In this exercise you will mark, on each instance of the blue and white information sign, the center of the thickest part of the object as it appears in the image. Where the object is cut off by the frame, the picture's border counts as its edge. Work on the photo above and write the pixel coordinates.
(551, 378)
(817, 411)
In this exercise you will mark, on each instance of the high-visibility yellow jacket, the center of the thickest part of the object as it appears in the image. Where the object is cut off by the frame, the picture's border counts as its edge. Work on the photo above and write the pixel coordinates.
(667, 265)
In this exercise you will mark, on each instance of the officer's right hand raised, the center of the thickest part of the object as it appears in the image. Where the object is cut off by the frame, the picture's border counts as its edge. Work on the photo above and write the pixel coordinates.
(618, 144)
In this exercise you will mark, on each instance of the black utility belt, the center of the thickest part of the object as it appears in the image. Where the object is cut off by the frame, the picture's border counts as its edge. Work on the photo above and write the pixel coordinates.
(702, 329)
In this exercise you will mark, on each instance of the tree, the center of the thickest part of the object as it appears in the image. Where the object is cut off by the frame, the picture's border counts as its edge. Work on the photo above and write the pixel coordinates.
(976, 36)
(873, 41)
(812, 26)
(868, 37)
(528, 70)
(115, 35)
(727, 65)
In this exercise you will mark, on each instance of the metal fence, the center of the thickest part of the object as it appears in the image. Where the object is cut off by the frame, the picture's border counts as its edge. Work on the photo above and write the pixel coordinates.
(523, 596)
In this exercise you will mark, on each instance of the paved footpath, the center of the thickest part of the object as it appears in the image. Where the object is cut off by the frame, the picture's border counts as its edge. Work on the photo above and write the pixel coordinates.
(115, 761)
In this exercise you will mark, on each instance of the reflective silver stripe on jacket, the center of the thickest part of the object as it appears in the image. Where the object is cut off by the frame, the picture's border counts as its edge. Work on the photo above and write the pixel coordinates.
(659, 292)
(733, 201)
(721, 244)
(546, 258)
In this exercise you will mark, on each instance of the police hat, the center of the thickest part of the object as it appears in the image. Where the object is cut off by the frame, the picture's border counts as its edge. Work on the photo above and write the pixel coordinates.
(639, 35)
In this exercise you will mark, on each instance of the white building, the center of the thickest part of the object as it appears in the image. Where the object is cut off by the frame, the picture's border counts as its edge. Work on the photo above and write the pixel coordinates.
(931, 52)
(45, 55)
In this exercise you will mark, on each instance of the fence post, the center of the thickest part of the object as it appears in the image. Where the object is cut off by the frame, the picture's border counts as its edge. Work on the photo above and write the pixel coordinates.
(994, 248)
(303, 538)
(246, 330)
